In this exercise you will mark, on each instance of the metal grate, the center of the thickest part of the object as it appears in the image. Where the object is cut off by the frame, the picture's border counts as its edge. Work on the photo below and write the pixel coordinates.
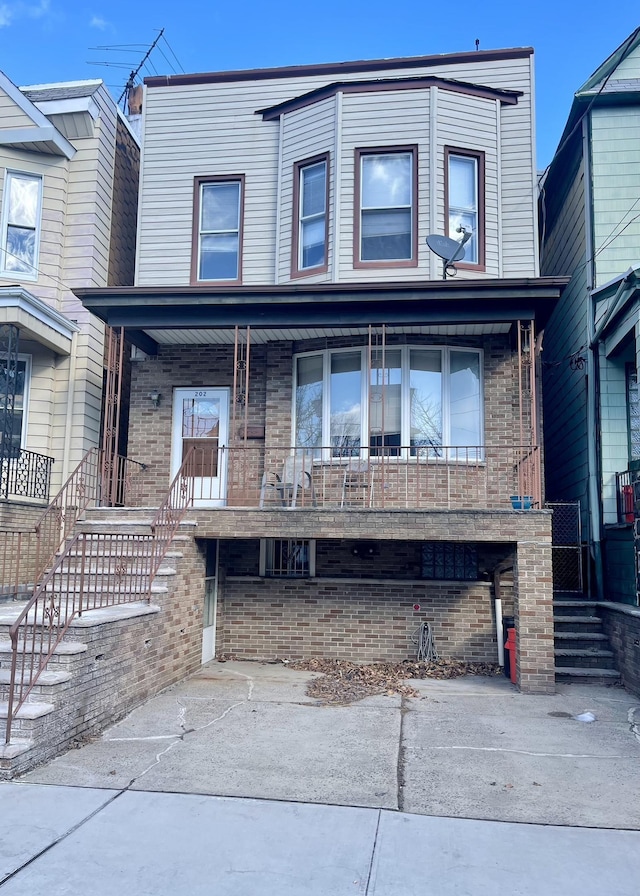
(566, 547)
(289, 558)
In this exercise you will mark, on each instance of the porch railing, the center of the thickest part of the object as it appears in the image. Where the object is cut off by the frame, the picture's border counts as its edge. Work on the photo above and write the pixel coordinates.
(27, 476)
(92, 572)
(413, 477)
(624, 497)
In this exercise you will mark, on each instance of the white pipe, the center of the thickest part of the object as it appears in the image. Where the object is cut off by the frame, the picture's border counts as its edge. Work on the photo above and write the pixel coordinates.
(498, 605)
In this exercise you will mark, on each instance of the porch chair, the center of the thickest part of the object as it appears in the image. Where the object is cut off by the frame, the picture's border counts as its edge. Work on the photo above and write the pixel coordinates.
(294, 480)
(357, 485)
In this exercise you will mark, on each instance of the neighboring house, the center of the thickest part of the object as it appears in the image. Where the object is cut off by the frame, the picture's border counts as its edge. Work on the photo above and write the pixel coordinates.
(69, 170)
(351, 442)
(590, 230)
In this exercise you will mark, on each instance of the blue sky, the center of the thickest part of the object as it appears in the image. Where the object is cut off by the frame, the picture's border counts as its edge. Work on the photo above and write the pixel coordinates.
(44, 41)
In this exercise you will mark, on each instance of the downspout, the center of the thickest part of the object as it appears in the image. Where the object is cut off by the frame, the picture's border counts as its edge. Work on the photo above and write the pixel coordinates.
(66, 454)
(594, 490)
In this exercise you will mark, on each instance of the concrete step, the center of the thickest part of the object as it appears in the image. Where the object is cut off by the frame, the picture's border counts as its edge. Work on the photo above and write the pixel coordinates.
(28, 711)
(590, 658)
(577, 623)
(573, 607)
(595, 676)
(47, 679)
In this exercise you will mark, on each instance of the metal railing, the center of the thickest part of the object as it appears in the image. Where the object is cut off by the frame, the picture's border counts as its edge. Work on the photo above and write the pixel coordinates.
(435, 477)
(94, 571)
(26, 475)
(624, 498)
(18, 551)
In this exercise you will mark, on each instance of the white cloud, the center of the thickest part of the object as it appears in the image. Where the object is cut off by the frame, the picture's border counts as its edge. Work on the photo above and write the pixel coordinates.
(11, 11)
(99, 23)
(6, 14)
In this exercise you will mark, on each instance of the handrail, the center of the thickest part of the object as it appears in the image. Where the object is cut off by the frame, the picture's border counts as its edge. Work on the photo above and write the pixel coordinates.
(110, 569)
(66, 590)
(178, 499)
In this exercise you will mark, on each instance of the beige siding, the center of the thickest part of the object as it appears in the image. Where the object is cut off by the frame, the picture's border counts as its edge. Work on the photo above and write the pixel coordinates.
(12, 116)
(306, 132)
(467, 122)
(201, 129)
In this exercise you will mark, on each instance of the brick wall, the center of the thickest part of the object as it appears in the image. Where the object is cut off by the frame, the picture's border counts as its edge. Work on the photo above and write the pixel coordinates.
(622, 626)
(270, 406)
(126, 661)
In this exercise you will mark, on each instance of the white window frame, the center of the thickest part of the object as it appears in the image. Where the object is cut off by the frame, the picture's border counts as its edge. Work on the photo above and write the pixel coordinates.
(389, 152)
(405, 356)
(265, 562)
(10, 175)
(222, 181)
(302, 220)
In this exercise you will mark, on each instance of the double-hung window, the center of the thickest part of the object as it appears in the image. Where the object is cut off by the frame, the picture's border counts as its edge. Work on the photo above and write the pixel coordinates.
(218, 213)
(310, 217)
(407, 401)
(21, 212)
(17, 389)
(464, 197)
(385, 222)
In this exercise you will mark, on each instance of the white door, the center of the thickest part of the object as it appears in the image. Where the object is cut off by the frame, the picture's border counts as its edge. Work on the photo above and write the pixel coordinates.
(201, 423)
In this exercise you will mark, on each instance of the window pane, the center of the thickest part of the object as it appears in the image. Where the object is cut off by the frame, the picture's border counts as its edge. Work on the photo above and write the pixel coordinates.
(17, 412)
(21, 250)
(309, 402)
(425, 396)
(313, 190)
(312, 239)
(219, 257)
(464, 391)
(463, 202)
(346, 407)
(23, 201)
(385, 400)
(386, 180)
(386, 235)
(220, 207)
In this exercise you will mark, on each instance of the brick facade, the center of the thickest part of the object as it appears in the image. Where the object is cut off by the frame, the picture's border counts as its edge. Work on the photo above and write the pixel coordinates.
(621, 624)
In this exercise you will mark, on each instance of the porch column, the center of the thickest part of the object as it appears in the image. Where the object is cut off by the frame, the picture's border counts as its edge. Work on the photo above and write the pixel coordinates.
(533, 608)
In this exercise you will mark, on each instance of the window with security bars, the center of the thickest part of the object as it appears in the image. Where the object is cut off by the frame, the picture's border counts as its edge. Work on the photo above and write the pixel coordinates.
(287, 558)
(442, 560)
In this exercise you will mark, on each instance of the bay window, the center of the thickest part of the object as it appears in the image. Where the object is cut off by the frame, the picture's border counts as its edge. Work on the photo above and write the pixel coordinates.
(406, 401)
(310, 217)
(464, 199)
(385, 207)
(217, 237)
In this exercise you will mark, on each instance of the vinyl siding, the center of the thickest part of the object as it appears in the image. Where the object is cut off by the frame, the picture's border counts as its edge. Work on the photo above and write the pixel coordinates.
(615, 135)
(213, 129)
(306, 132)
(12, 116)
(565, 422)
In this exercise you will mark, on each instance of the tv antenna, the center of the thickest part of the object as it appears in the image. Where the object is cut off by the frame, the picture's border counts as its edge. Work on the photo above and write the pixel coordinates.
(449, 250)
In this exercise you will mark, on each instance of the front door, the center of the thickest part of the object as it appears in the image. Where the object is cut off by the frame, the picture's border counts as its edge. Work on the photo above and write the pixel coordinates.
(200, 425)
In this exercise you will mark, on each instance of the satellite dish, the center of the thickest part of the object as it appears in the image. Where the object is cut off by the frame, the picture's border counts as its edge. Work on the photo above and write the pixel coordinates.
(449, 250)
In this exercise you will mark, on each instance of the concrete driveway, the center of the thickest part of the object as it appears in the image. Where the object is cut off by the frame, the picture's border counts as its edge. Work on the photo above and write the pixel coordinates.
(467, 748)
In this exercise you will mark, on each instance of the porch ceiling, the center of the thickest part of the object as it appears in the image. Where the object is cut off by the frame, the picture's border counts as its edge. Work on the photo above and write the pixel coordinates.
(175, 315)
(258, 336)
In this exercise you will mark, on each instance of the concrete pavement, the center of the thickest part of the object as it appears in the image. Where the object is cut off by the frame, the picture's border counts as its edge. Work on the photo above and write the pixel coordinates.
(237, 782)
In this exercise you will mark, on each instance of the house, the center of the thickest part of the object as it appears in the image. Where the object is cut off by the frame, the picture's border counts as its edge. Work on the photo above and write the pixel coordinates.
(337, 428)
(68, 202)
(590, 232)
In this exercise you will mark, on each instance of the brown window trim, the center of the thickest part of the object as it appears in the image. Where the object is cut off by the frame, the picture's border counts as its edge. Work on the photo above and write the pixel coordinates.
(296, 271)
(479, 156)
(195, 227)
(382, 264)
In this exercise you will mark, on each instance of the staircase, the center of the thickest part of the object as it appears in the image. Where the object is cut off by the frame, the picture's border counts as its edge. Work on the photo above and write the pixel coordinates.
(582, 651)
(104, 663)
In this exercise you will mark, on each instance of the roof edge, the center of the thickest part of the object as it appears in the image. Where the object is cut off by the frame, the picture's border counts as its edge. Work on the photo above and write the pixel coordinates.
(326, 68)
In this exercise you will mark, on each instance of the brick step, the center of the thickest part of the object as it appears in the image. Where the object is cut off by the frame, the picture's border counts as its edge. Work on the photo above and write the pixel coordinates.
(595, 676)
(573, 607)
(584, 658)
(577, 623)
(10, 752)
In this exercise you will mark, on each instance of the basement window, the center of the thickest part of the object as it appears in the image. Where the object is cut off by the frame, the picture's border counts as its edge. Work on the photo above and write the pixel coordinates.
(449, 562)
(287, 558)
